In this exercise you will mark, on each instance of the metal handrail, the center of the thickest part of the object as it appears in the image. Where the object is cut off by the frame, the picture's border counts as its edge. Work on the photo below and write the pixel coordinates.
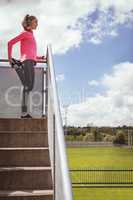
(59, 135)
(38, 61)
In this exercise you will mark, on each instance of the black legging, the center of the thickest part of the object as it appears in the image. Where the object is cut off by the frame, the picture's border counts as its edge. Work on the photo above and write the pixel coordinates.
(26, 74)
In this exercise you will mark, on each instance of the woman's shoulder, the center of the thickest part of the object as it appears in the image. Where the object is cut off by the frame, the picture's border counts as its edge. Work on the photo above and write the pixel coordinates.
(26, 33)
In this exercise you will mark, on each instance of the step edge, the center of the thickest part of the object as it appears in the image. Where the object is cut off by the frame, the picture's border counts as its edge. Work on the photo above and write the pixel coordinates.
(26, 193)
(24, 132)
(17, 118)
(22, 148)
(36, 168)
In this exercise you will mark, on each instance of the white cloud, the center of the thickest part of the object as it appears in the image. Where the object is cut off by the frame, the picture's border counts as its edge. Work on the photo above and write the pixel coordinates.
(60, 77)
(56, 19)
(93, 83)
(59, 21)
(106, 21)
(114, 107)
(121, 78)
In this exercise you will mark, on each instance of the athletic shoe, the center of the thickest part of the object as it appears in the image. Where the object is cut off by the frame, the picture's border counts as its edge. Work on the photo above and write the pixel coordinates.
(26, 116)
(15, 63)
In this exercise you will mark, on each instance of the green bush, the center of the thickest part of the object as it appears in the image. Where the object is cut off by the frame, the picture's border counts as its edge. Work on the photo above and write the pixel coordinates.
(69, 137)
(108, 138)
(74, 137)
(89, 137)
(119, 138)
(79, 138)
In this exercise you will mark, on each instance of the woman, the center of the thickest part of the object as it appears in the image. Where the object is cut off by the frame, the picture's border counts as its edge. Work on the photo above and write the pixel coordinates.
(25, 67)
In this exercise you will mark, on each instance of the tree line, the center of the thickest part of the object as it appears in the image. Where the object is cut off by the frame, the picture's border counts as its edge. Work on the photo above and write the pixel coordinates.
(116, 135)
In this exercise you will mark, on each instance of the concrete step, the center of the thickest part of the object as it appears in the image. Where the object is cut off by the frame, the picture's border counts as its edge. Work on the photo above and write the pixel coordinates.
(23, 139)
(16, 124)
(27, 195)
(37, 156)
(25, 178)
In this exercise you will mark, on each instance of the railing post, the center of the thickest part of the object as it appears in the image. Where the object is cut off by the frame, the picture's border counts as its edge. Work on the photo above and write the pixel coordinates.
(43, 92)
(54, 163)
(46, 92)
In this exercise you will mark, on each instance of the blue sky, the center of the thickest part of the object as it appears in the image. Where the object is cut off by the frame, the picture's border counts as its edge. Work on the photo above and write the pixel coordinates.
(90, 62)
(92, 50)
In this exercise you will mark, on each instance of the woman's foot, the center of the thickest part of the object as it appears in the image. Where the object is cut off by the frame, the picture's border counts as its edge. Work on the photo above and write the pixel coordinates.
(26, 116)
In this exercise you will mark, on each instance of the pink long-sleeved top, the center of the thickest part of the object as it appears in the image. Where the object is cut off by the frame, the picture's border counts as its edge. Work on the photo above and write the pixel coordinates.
(28, 47)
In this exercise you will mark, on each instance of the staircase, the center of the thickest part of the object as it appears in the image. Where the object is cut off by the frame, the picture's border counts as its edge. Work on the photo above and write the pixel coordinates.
(25, 170)
(33, 157)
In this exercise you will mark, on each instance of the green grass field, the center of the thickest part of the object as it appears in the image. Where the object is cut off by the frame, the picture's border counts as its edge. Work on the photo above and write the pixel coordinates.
(101, 157)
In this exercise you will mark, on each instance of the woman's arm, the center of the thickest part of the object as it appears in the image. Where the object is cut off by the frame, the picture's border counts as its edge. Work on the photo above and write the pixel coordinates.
(12, 42)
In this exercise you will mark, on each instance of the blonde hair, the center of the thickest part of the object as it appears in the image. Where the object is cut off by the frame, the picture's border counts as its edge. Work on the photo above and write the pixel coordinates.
(27, 21)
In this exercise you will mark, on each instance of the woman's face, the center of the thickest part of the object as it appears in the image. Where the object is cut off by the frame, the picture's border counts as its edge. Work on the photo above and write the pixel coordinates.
(34, 24)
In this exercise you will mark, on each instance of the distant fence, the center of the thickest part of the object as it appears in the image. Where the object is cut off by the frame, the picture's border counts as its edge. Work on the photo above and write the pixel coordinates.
(84, 144)
(101, 177)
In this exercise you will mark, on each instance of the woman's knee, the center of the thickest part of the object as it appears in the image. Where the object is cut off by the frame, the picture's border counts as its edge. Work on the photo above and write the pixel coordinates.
(30, 86)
